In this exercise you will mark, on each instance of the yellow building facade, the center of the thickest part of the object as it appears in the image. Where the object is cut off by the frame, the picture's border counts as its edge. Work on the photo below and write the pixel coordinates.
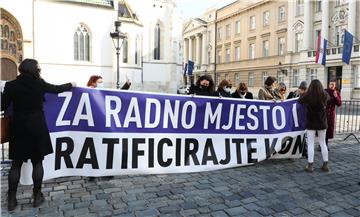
(251, 40)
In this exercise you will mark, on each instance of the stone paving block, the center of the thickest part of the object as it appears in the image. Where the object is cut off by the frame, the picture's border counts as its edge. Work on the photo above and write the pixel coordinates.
(235, 211)
(252, 214)
(147, 212)
(76, 212)
(189, 212)
(219, 214)
(332, 209)
(340, 214)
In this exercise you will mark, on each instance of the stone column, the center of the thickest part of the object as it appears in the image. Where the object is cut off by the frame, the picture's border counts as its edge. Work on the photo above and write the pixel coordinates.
(308, 23)
(198, 50)
(191, 49)
(352, 17)
(204, 49)
(325, 19)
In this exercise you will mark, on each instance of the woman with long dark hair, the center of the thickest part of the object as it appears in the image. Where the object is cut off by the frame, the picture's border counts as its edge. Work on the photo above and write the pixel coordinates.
(204, 86)
(315, 100)
(29, 134)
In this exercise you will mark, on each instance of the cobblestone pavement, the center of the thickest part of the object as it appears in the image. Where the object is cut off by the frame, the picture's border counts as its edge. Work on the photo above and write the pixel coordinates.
(270, 188)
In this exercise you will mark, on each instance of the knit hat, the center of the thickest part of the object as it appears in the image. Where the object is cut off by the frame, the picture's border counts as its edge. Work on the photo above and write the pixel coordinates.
(303, 85)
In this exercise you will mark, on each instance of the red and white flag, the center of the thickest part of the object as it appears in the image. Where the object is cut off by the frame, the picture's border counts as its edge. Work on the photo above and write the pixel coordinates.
(321, 51)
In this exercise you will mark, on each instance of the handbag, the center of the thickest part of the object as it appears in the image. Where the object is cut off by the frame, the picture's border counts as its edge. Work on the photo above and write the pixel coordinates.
(5, 128)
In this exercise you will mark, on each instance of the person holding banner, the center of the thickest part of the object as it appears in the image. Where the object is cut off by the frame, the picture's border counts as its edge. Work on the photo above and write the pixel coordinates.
(224, 89)
(97, 81)
(242, 92)
(335, 100)
(204, 86)
(267, 92)
(280, 91)
(29, 134)
(300, 91)
(315, 100)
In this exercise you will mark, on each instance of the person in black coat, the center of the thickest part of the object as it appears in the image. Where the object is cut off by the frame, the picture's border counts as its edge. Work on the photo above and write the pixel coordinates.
(242, 92)
(29, 134)
(300, 91)
(204, 86)
(315, 100)
(223, 89)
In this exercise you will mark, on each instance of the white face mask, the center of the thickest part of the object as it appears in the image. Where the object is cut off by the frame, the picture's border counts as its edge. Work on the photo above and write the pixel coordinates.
(100, 85)
(227, 89)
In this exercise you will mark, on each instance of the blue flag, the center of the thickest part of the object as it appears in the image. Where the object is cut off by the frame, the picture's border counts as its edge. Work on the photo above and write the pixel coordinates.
(190, 67)
(348, 43)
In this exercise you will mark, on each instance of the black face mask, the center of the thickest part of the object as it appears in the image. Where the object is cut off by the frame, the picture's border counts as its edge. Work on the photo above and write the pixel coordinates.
(242, 93)
(204, 87)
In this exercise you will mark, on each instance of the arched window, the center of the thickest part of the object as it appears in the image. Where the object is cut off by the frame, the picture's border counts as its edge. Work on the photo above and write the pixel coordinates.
(82, 44)
(157, 44)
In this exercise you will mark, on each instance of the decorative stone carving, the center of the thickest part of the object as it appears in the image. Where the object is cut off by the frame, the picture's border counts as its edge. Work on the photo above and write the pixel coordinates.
(340, 16)
(298, 26)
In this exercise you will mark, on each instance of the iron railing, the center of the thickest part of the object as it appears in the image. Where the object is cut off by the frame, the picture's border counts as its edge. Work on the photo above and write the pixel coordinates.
(348, 117)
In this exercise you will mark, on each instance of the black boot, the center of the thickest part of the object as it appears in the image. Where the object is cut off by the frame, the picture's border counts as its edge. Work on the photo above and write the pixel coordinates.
(12, 202)
(38, 197)
(309, 168)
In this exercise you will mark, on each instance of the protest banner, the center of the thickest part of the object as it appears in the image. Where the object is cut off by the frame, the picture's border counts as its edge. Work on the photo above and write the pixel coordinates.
(100, 132)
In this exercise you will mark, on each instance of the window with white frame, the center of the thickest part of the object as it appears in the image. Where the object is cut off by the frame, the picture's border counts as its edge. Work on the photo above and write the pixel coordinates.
(82, 44)
(157, 41)
(251, 79)
(252, 51)
(219, 34)
(228, 31)
(281, 17)
(296, 78)
(266, 18)
(281, 46)
(339, 35)
(311, 74)
(237, 27)
(340, 2)
(137, 50)
(218, 56)
(280, 76)
(298, 41)
(265, 48)
(318, 6)
(317, 34)
(299, 7)
(217, 79)
(226, 76)
(252, 22)
(237, 53)
(264, 77)
(357, 76)
(227, 51)
(236, 78)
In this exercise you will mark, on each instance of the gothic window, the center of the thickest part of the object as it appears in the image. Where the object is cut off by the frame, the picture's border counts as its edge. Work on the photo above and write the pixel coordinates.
(125, 47)
(157, 43)
(82, 44)
(137, 51)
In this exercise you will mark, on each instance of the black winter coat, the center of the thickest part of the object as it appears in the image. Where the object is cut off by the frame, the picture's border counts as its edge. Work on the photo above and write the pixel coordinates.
(29, 134)
(248, 95)
(196, 90)
(315, 118)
